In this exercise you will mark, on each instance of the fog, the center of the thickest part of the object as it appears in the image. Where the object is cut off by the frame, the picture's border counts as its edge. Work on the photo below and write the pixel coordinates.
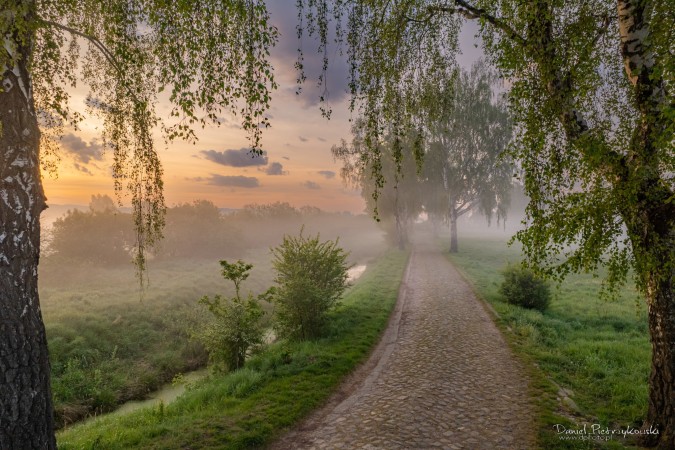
(110, 341)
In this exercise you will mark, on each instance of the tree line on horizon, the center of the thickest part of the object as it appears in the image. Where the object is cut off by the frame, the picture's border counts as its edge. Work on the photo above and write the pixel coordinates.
(104, 234)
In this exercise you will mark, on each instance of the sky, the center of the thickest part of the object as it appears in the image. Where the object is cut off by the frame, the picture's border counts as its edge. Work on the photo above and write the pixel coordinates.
(297, 167)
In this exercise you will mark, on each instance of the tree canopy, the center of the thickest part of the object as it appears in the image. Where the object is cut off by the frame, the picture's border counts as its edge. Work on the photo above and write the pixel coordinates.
(389, 186)
(591, 93)
(211, 58)
(465, 166)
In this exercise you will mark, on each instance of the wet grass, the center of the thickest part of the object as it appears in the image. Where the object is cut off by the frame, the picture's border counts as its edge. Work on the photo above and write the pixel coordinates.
(108, 344)
(275, 389)
(597, 350)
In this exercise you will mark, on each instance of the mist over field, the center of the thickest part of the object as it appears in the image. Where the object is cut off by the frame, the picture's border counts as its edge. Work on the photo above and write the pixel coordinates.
(110, 341)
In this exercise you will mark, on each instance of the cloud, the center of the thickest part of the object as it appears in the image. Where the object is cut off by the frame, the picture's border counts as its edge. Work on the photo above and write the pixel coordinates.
(328, 174)
(235, 158)
(230, 181)
(285, 54)
(303, 139)
(311, 185)
(286, 158)
(80, 150)
(275, 169)
(321, 139)
(82, 169)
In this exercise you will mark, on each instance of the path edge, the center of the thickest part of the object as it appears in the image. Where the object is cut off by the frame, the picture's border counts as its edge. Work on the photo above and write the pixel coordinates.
(351, 387)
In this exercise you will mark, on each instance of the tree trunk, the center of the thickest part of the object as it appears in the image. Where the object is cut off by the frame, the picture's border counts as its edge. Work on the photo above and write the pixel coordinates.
(454, 247)
(401, 233)
(435, 227)
(26, 415)
(651, 226)
(661, 413)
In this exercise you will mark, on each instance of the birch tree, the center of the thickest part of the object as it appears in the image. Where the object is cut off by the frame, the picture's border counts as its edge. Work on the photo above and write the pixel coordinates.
(592, 100)
(211, 57)
(388, 180)
(464, 169)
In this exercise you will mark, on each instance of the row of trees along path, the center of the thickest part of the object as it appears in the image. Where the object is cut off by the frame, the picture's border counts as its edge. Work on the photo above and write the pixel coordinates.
(444, 376)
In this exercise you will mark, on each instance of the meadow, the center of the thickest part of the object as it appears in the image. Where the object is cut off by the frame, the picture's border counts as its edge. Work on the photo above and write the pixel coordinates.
(251, 406)
(589, 357)
(111, 341)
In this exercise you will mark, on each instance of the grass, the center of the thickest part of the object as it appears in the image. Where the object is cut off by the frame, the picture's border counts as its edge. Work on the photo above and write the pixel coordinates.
(108, 345)
(595, 349)
(275, 389)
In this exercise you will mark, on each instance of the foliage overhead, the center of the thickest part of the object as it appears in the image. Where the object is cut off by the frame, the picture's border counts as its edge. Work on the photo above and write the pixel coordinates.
(594, 126)
(210, 57)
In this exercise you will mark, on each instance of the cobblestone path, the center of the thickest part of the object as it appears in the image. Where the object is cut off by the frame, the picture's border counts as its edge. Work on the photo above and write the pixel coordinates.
(445, 379)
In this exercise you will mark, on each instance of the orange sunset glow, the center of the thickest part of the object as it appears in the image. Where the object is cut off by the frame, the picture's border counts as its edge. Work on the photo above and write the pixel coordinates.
(298, 167)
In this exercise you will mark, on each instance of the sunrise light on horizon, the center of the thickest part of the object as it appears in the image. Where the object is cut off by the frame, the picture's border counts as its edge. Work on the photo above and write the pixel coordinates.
(297, 167)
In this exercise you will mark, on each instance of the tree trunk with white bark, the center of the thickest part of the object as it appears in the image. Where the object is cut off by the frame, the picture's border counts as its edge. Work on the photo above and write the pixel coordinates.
(26, 414)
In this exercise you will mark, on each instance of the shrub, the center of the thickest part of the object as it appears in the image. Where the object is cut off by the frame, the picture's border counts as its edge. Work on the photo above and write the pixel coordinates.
(236, 327)
(522, 287)
(311, 277)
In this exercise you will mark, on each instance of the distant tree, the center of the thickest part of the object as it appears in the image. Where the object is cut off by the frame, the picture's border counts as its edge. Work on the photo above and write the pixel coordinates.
(198, 229)
(101, 236)
(394, 195)
(101, 204)
(269, 211)
(465, 167)
(310, 211)
(237, 326)
(311, 276)
(211, 57)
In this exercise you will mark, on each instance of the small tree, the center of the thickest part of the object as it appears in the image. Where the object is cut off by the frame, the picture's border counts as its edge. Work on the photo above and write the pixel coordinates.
(311, 277)
(237, 326)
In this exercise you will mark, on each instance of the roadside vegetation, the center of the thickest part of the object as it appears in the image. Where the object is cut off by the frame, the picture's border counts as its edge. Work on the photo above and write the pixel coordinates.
(109, 342)
(590, 357)
(276, 388)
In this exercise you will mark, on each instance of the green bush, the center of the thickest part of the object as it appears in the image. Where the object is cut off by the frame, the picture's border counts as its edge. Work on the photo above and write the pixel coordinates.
(236, 327)
(522, 287)
(311, 277)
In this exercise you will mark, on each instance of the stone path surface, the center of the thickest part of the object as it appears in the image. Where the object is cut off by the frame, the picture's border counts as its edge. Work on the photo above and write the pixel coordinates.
(443, 377)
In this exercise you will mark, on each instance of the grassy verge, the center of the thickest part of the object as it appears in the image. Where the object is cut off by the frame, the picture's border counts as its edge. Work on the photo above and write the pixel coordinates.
(107, 345)
(278, 387)
(597, 351)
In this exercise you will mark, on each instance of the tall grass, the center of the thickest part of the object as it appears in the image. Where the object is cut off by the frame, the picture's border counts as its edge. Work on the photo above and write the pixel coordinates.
(597, 350)
(275, 389)
(109, 344)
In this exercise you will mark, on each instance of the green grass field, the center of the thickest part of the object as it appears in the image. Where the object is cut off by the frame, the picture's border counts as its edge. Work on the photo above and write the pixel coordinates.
(109, 344)
(597, 350)
(275, 389)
